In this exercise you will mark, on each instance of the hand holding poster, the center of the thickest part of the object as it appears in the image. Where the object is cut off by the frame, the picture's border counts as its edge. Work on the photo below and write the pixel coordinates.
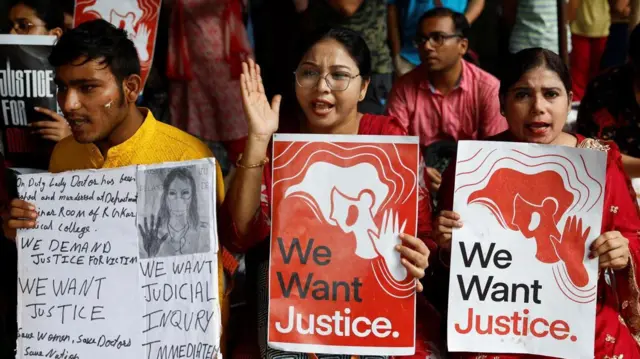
(336, 281)
(98, 280)
(26, 81)
(520, 279)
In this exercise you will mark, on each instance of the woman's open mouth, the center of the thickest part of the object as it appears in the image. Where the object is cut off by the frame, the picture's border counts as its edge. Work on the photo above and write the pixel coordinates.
(321, 107)
(538, 128)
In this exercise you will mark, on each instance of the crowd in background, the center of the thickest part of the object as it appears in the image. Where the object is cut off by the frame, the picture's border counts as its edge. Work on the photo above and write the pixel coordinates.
(427, 68)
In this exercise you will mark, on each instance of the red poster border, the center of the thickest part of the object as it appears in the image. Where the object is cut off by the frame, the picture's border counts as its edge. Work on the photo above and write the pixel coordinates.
(337, 349)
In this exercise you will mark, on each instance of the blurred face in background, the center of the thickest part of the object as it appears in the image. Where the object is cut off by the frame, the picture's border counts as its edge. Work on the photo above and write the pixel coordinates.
(24, 20)
(439, 46)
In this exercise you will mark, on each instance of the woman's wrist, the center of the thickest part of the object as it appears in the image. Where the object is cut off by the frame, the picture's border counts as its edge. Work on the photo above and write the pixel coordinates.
(259, 138)
(255, 150)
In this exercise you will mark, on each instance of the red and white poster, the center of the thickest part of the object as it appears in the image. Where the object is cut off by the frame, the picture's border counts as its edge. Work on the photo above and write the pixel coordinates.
(336, 282)
(521, 280)
(138, 17)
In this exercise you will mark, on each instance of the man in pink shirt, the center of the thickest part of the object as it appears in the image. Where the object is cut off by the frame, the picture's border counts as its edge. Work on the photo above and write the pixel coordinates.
(446, 98)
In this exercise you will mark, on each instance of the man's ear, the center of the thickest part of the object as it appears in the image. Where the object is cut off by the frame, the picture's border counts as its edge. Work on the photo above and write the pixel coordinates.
(132, 87)
(464, 46)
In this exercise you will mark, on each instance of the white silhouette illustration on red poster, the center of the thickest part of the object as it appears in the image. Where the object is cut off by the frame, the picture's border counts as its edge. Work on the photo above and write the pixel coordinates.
(138, 17)
(361, 198)
(534, 195)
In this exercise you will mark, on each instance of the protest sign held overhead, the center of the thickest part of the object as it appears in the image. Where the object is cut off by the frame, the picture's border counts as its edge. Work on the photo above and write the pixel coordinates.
(139, 18)
(336, 282)
(117, 265)
(26, 81)
(520, 278)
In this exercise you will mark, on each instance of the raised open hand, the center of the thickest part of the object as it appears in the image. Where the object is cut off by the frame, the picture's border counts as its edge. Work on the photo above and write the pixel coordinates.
(150, 237)
(386, 242)
(262, 117)
(141, 41)
(571, 250)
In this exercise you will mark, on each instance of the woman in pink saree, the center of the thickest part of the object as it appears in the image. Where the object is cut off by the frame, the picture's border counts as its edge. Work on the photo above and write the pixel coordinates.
(535, 96)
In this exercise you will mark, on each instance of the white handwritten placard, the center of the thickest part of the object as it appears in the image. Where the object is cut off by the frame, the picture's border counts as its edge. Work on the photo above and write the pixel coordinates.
(521, 281)
(78, 270)
(122, 264)
(179, 268)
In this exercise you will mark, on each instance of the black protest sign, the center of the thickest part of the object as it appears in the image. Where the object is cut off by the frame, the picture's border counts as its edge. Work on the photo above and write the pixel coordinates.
(26, 81)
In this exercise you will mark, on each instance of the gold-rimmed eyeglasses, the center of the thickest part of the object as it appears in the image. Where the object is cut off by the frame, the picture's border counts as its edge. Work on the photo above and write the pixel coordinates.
(337, 80)
(23, 26)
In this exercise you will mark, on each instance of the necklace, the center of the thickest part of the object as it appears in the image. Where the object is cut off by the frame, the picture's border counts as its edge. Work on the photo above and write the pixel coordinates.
(178, 237)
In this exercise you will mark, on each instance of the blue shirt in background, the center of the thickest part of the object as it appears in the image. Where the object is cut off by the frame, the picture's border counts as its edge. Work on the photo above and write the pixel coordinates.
(410, 12)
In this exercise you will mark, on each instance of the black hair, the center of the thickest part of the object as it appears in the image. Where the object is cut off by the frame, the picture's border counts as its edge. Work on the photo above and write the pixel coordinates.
(529, 59)
(98, 40)
(460, 22)
(634, 46)
(351, 40)
(183, 174)
(68, 6)
(47, 10)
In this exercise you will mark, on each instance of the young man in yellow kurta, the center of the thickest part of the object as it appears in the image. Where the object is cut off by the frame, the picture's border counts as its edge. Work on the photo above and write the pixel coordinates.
(98, 78)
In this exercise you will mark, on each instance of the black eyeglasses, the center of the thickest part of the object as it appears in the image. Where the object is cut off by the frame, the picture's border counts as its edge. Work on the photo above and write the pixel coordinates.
(436, 39)
(337, 81)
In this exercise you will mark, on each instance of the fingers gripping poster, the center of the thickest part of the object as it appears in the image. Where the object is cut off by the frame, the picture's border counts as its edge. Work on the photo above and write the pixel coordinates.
(122, 264)
(521, 280)
(336, 282)
(139, 18)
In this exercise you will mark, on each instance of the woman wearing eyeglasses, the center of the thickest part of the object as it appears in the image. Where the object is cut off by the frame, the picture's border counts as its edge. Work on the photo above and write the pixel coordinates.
(41, 17)
(331, 78)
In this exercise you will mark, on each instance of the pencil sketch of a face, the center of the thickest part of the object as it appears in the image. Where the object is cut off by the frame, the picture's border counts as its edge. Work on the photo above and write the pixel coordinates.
(179, 199)
(177, 228)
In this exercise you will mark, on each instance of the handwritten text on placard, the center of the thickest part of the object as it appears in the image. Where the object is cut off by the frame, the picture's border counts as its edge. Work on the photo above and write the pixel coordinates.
(78, 267)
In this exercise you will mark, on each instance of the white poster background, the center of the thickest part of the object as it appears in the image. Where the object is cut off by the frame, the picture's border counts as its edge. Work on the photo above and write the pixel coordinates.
(583, 174)
(180, 290)
(101, 281)
(101, 287)
(636, 187)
